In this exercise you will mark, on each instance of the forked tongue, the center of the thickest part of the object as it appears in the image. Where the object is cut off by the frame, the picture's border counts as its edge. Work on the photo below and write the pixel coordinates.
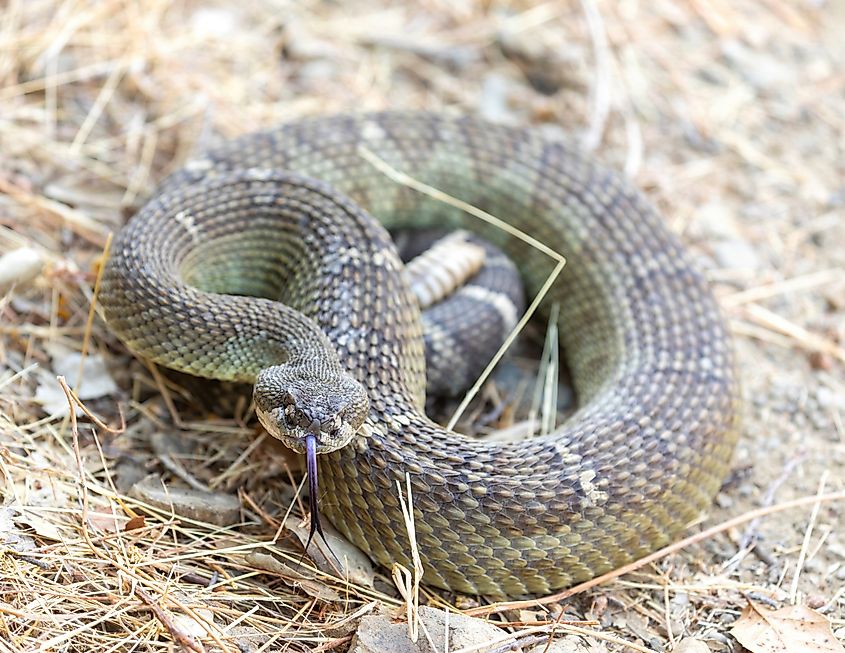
(311, 468)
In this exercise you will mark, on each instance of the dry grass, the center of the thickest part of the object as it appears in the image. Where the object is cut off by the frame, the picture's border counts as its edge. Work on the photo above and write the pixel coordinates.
(730, 115)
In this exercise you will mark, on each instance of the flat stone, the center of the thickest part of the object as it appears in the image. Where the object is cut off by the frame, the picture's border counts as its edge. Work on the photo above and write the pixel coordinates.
(380, 633)
(736, 254)
(208, 507)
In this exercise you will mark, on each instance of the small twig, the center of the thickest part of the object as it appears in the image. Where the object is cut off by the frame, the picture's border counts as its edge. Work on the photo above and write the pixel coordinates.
(769, 290)
(105, 95)
(89, 322)
(185, 640)
(76, 220)
(74, 400)
(406, 180)
(805, 544)
(769, 496)
(165, 393)
(801, 336)
(523, 321)
(600, 91)
(97, 551)
(408, 581)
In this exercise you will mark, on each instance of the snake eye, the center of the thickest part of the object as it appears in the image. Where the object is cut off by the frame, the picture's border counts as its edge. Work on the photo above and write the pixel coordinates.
(287, 399)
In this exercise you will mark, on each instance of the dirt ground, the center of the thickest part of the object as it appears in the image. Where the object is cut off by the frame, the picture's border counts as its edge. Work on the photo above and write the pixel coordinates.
(731, 117)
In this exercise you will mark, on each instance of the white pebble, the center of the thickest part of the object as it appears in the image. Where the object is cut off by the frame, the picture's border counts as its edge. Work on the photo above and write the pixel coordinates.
(19, 266)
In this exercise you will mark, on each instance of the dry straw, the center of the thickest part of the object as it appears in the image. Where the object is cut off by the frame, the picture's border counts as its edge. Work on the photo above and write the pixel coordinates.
(101, 99)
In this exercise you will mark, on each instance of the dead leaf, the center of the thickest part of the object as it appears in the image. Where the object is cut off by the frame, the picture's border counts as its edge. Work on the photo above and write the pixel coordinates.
(45, 522)
(45, 510)
(354, 565)
(96, 380)
(310, 585)
(10, 535)
(193, 627)
(106, 522)
(690, 645)
(790, 629)
(138, 521)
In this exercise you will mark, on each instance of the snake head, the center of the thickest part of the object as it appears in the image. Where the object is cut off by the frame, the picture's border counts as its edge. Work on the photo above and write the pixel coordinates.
(311, 414)
(293, 404)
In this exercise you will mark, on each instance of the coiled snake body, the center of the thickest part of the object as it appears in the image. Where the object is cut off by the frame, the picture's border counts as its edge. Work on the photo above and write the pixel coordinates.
(644, 341)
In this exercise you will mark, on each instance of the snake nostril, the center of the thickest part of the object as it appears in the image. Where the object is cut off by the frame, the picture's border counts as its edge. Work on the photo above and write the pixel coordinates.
(290, 415)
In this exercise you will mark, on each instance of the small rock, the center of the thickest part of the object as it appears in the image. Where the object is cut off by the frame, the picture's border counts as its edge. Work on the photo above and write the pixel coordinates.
(736, 254)
(680, 602)
(715, 221)
(547, 64)
(213, 22)
(834, 295)
(816, 601)
(318, 71)
(820, 360)
(691, 645)
(209, 507)
(379, 633)
(837, 198)
(300, 44)
(724, 501)
(494, 101)
(814, 566)
(127, 473)
(19, 267)
(829, 399)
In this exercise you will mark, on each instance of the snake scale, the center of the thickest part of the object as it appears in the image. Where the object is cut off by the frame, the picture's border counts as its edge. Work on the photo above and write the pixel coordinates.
(228, 268)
